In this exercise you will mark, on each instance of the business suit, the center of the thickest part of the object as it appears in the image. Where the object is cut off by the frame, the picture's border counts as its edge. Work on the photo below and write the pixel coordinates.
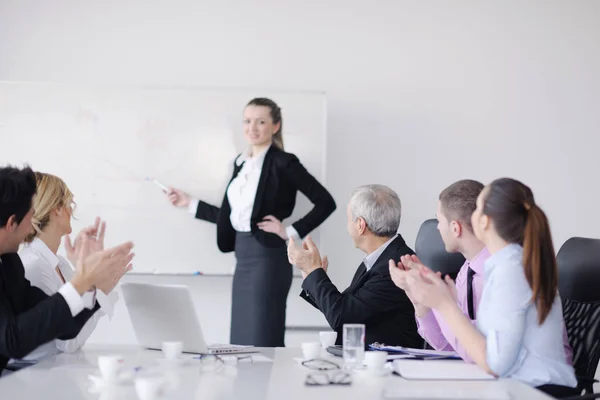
(371, 299)
(29, 317)
(263, 274)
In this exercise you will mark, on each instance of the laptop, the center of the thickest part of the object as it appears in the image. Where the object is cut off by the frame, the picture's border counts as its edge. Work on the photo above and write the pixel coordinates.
(165, 313)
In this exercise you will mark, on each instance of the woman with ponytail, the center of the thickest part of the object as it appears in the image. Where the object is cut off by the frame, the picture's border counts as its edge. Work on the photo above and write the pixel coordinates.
(260, 195)
(519, 332)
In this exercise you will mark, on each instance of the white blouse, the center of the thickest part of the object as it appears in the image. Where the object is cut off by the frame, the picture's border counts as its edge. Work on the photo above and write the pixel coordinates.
(40, 265)
(241, 193)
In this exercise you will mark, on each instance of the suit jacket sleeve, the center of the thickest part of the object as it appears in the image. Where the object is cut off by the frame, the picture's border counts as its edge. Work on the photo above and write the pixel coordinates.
(323, 202)
(307, 296)
(45, 318)
(207, 212)
(377, 295)
(38, 290)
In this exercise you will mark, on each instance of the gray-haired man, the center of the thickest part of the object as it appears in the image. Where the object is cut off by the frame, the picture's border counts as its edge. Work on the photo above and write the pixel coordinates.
(372, 299)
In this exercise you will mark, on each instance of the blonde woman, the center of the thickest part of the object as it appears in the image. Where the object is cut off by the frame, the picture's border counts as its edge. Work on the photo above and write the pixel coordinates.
(44, 268)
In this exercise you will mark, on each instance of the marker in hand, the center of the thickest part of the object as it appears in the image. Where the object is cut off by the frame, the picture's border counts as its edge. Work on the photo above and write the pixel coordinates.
(176, 197)
(160, 185)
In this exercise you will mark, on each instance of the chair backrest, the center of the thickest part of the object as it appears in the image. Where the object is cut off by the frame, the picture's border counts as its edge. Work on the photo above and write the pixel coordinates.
(579, 286)
(430, 248)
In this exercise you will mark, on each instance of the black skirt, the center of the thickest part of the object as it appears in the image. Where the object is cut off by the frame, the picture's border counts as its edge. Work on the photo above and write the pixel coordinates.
(261, 284)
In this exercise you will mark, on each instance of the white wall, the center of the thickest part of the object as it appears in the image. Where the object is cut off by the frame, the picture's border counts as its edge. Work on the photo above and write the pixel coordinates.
(420, 93)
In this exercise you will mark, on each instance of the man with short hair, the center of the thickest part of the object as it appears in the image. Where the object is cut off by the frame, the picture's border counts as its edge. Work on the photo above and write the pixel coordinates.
(455, 207)
(29, 317)
(372, 299)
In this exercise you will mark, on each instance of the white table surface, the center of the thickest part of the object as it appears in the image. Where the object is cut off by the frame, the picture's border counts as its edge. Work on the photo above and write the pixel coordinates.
(65, 376)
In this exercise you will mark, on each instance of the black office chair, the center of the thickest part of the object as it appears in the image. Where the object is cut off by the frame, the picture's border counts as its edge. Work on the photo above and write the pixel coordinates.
(432, 252)
(579, 286)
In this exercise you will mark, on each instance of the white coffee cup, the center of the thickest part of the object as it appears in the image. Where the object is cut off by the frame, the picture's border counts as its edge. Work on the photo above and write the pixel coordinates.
(149, 388)
(375, 360)
(311, 350)
(327, 338)
(110, 366)
(172, 350)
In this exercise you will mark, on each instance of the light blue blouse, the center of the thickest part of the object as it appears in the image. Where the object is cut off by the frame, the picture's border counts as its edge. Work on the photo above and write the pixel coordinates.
(516, 345)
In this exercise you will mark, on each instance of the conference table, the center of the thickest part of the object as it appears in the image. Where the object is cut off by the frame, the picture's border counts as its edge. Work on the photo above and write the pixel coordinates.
(274, 373)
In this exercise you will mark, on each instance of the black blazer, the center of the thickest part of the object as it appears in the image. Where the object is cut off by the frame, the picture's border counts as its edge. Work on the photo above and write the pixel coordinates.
(29, 317)
(281, 177)
(372, 299)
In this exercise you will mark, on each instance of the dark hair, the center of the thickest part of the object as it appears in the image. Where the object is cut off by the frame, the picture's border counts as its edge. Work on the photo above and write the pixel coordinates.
(517, 219)
(275, 116)
(459, 201)
(17, 188)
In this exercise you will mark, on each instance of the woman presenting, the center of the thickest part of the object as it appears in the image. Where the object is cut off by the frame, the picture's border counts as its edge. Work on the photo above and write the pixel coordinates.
(260, 194)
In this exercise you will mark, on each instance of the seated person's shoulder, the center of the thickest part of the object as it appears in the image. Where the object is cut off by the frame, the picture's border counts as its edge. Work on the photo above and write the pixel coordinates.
(13, 268)
(402, 250)
(28, 257)
(383, 263)
(34, 266)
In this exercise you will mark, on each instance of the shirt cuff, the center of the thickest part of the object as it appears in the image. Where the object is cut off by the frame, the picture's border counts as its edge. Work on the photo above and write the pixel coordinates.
(193, 206)
(426, 319)
(89, 300)
(72, 297)
(107, 302)
(426, 323)
(291, 232)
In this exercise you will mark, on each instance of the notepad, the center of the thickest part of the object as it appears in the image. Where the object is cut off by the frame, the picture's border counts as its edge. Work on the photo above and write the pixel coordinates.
(440, 370)
(429, 393)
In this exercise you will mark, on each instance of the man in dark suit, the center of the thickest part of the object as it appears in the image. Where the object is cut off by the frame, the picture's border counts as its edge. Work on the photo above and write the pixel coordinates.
(28, 317)
(372, 298)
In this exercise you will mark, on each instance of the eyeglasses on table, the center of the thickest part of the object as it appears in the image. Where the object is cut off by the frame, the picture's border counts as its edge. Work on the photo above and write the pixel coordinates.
(323, 378)
(320, 365)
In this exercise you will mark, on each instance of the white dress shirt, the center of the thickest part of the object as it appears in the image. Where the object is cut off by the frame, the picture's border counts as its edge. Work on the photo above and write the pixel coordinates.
(40, 265)
(371, 259)
(241, 193)
(517, 346)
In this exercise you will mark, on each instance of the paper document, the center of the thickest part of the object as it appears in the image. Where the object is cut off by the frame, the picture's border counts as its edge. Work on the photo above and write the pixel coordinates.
(440, 370)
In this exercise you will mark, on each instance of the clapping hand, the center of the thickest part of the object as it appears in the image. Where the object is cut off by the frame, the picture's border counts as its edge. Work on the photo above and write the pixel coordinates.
(101, 269)
(95, 241)
(429, 289)
(406, 271)
(306, 258)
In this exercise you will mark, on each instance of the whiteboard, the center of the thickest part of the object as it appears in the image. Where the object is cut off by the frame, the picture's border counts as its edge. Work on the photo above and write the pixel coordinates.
(104, 142)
